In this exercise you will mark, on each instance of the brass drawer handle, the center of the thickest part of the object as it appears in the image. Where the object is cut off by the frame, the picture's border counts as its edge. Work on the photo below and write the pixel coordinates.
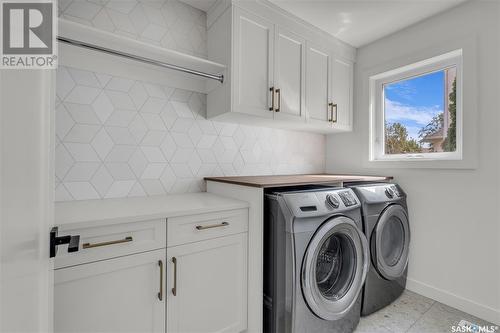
(174, 289)
(160, 293)
(334, 119)
(278, 92)
(125, 240)
(203, 227)
(271, 108)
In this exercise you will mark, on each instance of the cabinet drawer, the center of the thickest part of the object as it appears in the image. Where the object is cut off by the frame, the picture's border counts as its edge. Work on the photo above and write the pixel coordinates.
(194, 228)
(108, 241)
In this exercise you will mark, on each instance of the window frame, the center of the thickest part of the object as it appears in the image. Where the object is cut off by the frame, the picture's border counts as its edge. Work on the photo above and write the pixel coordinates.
(377, 107)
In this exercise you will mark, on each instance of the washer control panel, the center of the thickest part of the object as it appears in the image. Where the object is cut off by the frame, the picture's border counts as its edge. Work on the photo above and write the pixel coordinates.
(348, 198)
(320, 202)
(338, 199)
(332, 200)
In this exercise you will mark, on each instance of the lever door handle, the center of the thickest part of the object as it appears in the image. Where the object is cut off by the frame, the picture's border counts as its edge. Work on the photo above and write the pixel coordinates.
(72, 241)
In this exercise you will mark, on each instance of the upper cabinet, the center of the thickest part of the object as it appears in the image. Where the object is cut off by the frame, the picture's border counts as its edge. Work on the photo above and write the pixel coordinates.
(253, 63)
(341, 93)
(281, 72)
(289, 73)
(318, 83)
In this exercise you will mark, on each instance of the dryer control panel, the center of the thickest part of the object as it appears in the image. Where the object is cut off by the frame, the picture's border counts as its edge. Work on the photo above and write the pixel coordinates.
(320, 202)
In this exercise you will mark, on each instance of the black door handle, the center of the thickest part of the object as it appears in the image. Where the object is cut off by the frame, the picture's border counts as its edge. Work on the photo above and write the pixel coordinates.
(55, 241)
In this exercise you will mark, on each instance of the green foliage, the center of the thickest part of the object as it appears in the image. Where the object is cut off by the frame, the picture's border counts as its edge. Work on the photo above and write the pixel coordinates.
(436, 124)
(450, 143)
(397, 141)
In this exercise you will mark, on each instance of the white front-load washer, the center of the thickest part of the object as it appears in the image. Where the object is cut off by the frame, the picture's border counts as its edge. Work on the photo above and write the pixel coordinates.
(315, 261)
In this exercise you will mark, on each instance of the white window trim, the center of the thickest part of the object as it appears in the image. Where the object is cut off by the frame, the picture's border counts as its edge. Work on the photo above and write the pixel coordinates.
(377, 128)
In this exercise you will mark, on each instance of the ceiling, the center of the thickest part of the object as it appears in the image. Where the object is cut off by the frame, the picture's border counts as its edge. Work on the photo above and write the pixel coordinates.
(359, 22)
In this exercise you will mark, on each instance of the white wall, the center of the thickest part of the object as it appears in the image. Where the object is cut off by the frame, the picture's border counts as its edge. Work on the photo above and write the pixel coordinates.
(455, 253)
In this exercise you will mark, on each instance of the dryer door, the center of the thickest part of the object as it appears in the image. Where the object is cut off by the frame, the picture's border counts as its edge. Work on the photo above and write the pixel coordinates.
(334, 268)
(390, 242)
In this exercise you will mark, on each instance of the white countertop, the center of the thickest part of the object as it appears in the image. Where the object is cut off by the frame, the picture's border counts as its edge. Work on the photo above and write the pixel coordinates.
(111, 211)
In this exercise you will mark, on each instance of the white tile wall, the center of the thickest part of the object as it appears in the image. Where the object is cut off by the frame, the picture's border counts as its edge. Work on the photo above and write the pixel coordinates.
(167, 23)
(117, 137)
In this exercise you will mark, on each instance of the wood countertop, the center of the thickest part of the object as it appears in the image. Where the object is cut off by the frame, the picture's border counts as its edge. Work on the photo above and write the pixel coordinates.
(290, 180)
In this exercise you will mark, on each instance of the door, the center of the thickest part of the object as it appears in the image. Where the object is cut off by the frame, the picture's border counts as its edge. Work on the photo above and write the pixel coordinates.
(334, 268)
(253, 39)
(208, 286)
(341, 93)
(289, 65)
(125, 294)
(317, 85)
(390, 242)
(26, 199)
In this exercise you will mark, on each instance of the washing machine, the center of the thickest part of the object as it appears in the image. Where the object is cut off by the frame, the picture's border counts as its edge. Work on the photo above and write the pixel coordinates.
(386, 226)
(315, 261)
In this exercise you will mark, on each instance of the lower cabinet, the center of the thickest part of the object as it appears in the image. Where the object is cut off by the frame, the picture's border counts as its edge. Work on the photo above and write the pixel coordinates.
(198, 284)
(208, 286)
(125, 294)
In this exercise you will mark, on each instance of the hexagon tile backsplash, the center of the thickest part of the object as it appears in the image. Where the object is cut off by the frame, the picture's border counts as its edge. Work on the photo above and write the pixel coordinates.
(166, 23)
(116, 137)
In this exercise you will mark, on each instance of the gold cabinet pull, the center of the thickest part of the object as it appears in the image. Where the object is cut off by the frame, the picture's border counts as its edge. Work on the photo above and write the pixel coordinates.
(174, 289)
(119, 241)
(219, 225)
(272, 99)
(278, 92)
(329, 113)
(160, 293)
(334, 118)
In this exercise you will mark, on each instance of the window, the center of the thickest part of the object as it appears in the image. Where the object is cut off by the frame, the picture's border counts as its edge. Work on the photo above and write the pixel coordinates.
(416, 111)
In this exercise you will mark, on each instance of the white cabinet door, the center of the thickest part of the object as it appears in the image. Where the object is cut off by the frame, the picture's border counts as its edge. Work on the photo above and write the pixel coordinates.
(253, 66)
(289, 67)
(341, 93)
(114, 295)
(208, 286)
(317, 84)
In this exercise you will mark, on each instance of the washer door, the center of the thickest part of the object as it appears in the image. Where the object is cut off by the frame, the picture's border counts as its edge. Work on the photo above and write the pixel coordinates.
(334, 268)
(390, 242)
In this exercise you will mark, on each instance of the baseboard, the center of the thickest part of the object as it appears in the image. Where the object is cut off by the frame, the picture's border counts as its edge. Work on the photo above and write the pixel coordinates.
(481, 311)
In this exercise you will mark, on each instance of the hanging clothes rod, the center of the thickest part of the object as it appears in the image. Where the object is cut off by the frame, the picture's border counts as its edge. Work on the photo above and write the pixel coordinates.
(218, 77)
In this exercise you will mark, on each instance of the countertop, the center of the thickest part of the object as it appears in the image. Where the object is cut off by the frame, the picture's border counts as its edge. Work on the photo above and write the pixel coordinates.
(89, 212)
(290, 180)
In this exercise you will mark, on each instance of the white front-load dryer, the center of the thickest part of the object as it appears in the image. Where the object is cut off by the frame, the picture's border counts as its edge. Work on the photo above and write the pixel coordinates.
(315, 261)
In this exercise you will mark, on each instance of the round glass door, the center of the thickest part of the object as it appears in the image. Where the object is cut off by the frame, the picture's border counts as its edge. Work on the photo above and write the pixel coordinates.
(391, 242)
(334, 268)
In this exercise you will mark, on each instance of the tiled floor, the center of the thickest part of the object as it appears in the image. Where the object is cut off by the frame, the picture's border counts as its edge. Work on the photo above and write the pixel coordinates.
(414, 313)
